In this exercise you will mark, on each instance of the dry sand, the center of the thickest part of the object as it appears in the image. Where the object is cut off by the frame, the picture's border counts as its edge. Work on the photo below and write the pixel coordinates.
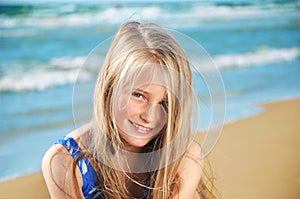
(32, 186)
(258, 157)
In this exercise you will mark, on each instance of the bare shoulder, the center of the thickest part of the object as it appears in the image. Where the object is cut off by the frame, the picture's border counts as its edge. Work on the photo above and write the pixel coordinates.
(58, 155)
(194, 150)
(61, 173)
(192, 159)
(190, 171)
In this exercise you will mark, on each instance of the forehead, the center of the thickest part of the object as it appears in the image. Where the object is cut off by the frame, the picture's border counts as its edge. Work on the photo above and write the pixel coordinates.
(151, 78)
(154, 90)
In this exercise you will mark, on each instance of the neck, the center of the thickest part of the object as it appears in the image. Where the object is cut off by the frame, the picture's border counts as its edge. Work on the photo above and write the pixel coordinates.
(133, 149)
(130, 148)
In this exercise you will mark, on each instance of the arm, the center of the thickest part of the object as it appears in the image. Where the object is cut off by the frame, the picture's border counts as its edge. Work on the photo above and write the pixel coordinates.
(63, 179)
(190, 172)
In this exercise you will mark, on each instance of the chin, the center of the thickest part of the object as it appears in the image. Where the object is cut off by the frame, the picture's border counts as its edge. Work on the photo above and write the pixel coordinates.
(135, 144)
(138, 142)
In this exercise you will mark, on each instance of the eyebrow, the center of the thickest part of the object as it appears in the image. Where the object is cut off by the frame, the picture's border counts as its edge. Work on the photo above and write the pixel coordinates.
(142, 91)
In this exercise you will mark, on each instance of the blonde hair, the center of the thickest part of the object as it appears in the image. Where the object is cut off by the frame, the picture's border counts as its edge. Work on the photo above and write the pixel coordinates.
(135, 45)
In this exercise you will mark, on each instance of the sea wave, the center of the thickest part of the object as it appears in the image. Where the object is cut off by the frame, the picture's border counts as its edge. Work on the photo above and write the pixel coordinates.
(67, 63)
(107, 16)
(72, 15)
(257, 58)
(64, 70)
(39, 79)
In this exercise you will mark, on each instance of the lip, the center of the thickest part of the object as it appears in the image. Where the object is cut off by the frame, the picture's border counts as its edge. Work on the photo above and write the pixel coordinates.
(140, 128)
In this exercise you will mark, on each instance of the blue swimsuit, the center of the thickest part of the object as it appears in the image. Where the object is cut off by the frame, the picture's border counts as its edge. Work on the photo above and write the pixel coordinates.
(90, 186)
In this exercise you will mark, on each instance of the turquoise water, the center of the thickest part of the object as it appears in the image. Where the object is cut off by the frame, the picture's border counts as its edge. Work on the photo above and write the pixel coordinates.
(255, 45)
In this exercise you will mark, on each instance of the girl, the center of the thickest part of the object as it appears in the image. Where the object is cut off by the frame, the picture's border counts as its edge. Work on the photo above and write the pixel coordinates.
(139, 142)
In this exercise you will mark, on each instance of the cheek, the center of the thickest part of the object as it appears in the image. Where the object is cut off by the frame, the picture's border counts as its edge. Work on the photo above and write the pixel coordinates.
(132, 108)
(121, 108)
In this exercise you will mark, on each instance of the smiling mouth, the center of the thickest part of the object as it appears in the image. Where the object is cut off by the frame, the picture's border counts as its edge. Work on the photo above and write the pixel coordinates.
(140, 129)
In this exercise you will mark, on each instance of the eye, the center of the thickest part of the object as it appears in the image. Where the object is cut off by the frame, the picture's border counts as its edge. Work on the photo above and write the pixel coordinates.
(138, 95)
(164, 103)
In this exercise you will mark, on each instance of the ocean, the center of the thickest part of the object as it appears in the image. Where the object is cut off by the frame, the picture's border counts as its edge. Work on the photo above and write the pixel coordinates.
(254, 44)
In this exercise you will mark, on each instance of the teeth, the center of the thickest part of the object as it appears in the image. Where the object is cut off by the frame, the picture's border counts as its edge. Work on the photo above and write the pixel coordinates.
(140, 127)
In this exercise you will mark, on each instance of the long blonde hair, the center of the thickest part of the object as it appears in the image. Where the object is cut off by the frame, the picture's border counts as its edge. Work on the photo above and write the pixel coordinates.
(137, 44)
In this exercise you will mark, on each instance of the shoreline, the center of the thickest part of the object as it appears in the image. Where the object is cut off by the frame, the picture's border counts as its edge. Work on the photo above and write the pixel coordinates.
(255, 157)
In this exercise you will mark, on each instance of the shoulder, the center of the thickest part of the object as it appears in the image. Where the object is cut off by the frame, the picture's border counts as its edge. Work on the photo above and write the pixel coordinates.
(192, 158)
(61, 172)
(58, 155)
(190, 171)
(194, 149)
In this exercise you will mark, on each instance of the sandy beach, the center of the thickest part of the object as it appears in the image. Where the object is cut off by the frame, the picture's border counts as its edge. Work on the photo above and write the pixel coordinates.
(258, 157)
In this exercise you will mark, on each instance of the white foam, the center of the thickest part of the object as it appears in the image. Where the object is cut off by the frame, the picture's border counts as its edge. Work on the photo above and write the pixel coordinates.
(58, 71)
(224, 12)
(67, 63)
(106, 16)
(40, 80)
(64, 70)
(113, 15)
(260, 57)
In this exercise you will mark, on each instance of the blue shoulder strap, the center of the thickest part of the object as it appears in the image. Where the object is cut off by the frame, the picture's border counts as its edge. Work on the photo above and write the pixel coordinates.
(90, 186)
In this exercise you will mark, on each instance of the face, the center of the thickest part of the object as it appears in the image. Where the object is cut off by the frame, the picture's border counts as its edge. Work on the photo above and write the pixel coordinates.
(141, 114)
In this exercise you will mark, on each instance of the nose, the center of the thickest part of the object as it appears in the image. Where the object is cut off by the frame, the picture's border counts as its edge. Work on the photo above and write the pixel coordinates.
(148, 113)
